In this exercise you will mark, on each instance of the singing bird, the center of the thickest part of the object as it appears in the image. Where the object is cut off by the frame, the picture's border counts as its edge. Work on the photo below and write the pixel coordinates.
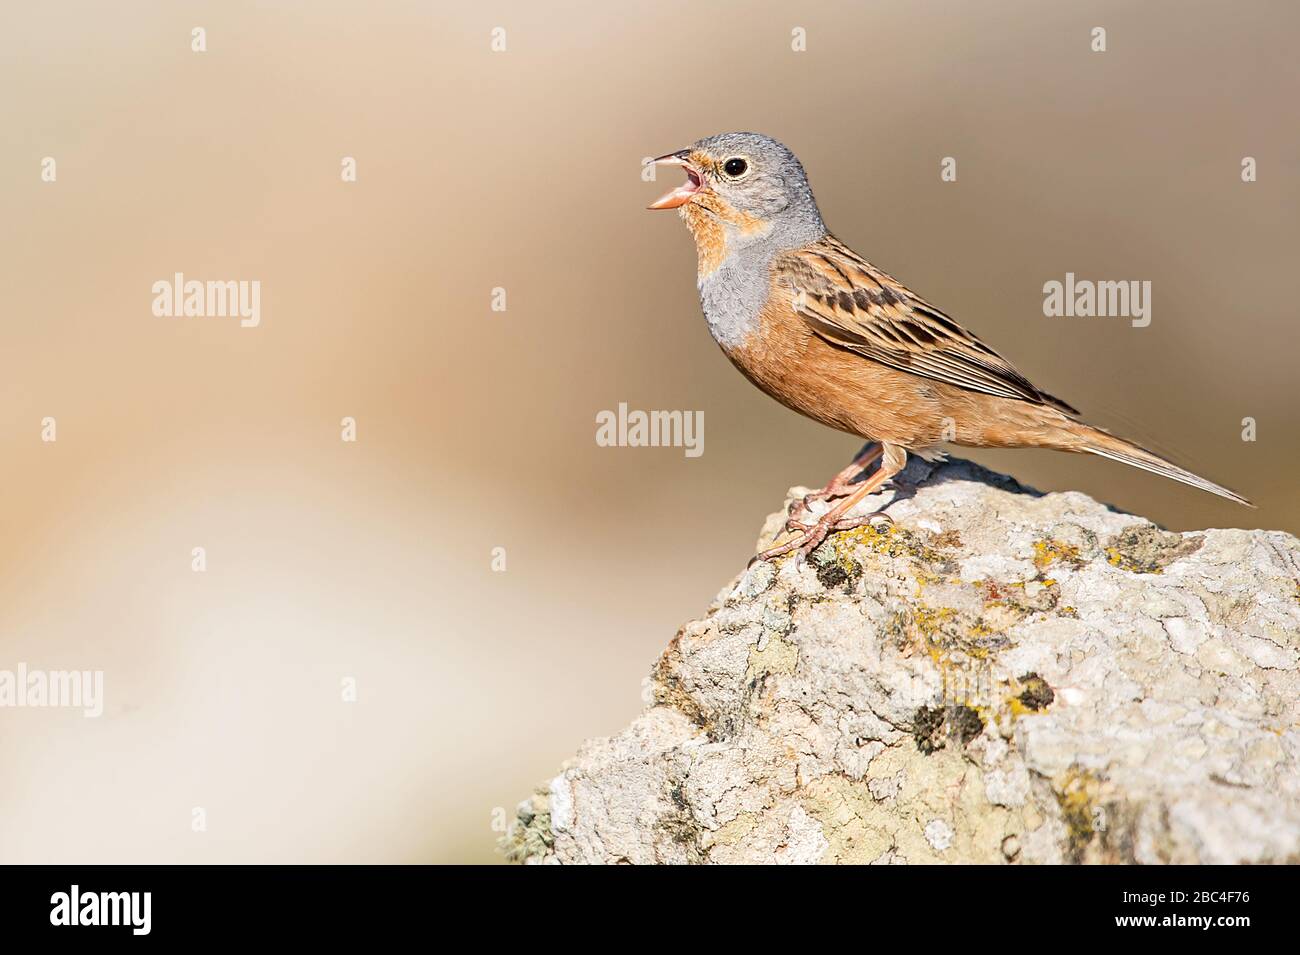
(827, 334)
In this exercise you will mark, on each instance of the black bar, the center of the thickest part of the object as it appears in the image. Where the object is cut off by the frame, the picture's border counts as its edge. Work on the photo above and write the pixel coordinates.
(375, 903)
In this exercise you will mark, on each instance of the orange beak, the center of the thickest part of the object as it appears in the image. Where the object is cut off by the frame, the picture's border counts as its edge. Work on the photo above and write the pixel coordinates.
(682, 194)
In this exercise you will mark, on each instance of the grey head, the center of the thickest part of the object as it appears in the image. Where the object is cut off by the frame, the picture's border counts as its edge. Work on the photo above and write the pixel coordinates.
(742, 178)
(762, 178)
(753, 191)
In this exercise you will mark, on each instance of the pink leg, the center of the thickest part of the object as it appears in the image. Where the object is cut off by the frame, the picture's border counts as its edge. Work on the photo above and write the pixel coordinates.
(839, 486)
(811, 535)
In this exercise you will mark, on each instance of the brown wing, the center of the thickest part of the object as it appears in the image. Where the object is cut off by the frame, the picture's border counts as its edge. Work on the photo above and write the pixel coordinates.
(852, 304)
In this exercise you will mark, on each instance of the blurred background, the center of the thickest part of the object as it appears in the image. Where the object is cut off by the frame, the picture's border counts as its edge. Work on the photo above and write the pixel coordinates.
(521, 170)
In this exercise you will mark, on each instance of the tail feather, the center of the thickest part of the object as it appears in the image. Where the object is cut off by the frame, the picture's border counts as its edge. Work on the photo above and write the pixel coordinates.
(1126, 452)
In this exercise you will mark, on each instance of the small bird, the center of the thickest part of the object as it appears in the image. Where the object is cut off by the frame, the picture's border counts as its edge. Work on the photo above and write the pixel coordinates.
(827, 334)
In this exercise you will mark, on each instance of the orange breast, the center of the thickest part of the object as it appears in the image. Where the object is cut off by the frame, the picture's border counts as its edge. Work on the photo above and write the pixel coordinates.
(834, 386)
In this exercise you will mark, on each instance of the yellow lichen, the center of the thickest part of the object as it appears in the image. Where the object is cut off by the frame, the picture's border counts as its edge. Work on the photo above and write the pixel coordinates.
(887, 540)
(1116, 558)
(1078, 795)
(1017, 708)
(1047, 552)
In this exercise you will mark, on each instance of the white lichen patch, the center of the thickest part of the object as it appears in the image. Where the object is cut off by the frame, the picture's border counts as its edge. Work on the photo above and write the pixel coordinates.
(939, 834)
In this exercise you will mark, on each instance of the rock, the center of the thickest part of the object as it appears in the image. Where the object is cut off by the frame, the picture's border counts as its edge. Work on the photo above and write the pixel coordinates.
(1001, 676)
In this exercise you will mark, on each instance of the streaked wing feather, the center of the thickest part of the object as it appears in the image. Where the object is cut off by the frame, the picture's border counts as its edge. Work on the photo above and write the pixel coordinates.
(852, 304)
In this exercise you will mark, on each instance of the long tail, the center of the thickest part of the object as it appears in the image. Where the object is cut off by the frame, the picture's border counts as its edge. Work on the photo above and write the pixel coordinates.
(1095, 441)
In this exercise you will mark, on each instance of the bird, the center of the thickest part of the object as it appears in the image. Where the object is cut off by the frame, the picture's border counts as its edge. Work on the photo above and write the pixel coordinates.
(816, 326)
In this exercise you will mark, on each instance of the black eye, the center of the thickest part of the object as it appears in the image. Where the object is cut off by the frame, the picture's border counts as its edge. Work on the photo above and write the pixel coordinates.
(735, 167)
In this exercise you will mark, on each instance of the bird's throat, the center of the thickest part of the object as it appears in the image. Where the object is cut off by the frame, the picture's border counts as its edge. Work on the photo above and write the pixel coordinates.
(719, 231)
(710, 237)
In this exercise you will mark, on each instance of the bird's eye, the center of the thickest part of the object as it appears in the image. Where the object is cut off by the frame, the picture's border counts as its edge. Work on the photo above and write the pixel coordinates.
(735, 168)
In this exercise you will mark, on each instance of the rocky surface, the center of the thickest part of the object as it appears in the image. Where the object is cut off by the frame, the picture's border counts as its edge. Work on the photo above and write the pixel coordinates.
(1001, 677)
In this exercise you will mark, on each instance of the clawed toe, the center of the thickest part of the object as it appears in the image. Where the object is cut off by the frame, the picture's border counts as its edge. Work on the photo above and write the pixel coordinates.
(807, 536)
(800, 511)
(802, 543)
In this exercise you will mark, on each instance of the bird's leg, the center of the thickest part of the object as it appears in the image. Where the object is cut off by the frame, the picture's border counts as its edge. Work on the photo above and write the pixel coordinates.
(839, 486)
(811, 536)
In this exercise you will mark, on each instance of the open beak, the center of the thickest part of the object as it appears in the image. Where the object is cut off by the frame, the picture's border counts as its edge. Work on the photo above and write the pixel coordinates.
(682, 194)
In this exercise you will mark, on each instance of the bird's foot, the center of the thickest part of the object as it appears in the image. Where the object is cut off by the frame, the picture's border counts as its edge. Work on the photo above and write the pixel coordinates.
(841, 486)
(809, 536)
(801, 511)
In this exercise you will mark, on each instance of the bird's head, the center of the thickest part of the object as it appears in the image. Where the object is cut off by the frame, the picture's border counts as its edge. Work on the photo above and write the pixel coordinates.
(741, 186)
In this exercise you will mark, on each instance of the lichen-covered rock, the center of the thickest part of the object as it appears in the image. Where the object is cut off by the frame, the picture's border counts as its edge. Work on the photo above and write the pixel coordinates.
(1000, 676)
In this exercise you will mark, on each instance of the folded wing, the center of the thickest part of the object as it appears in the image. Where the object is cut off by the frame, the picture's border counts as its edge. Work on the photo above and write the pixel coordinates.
(852, 304)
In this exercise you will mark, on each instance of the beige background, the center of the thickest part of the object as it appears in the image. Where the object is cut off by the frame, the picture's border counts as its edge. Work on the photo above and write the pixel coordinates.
(476, 429)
